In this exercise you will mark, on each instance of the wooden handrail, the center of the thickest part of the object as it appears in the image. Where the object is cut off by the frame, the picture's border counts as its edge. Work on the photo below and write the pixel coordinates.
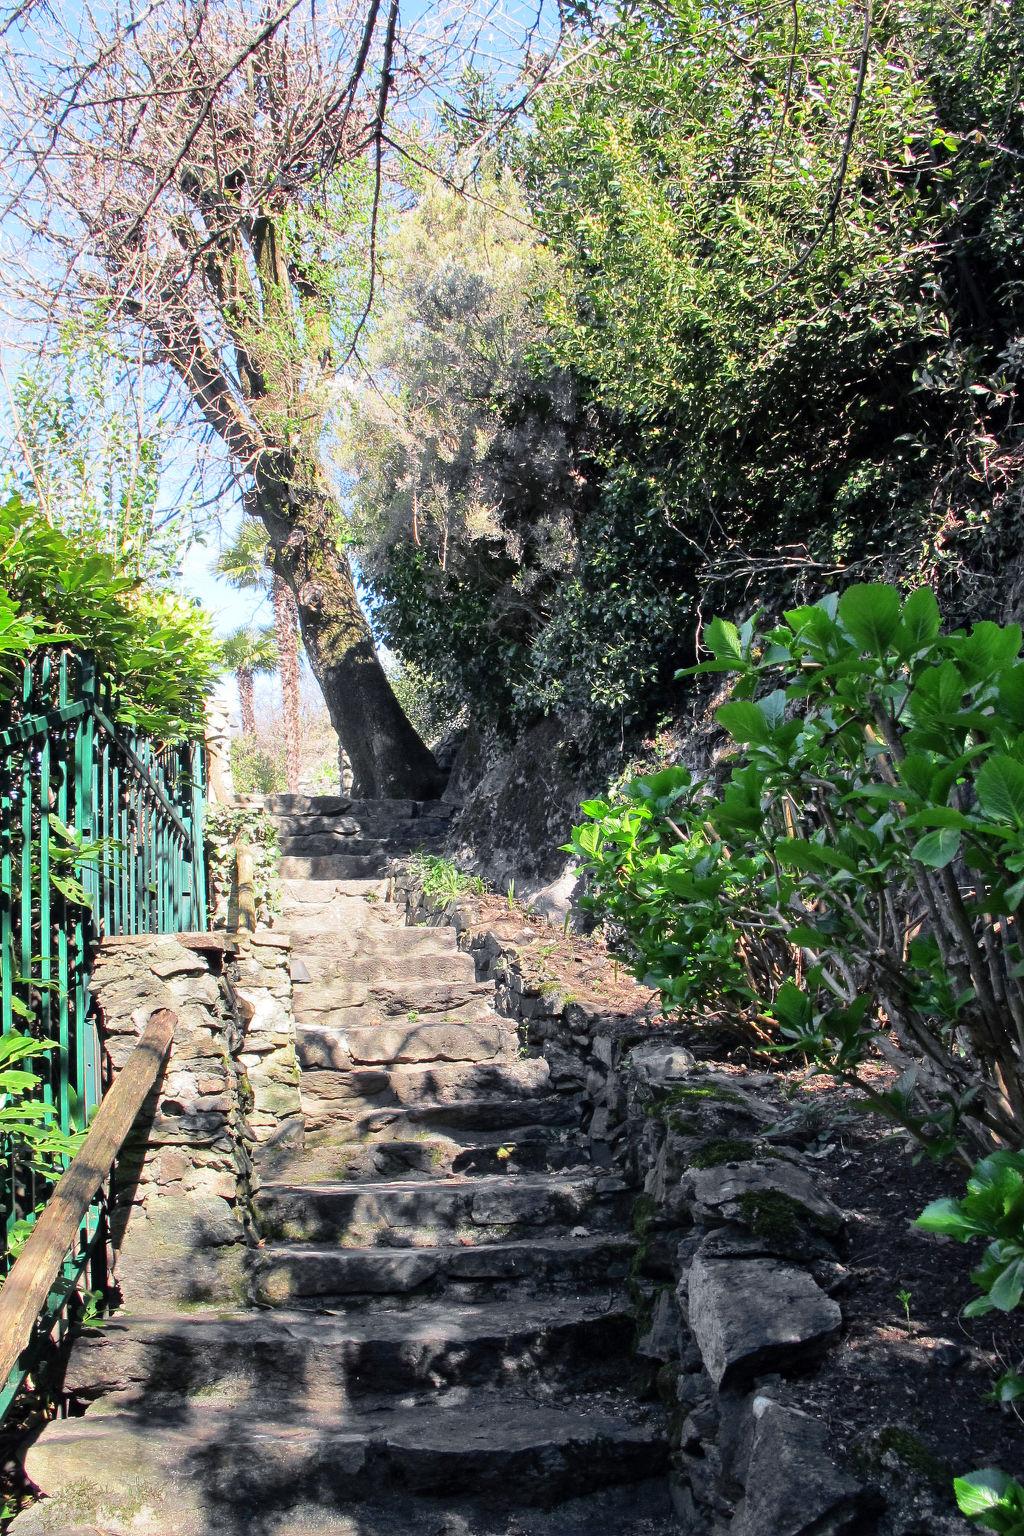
(35, 1271)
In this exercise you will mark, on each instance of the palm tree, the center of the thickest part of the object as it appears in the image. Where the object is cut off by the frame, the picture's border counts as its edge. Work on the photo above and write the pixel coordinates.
(248, 652)
(244, 564)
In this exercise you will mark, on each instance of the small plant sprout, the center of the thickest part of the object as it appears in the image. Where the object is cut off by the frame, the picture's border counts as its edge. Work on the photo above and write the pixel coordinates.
(510, 894)
(904, 1299)
(504, 1153)
(412, 1015)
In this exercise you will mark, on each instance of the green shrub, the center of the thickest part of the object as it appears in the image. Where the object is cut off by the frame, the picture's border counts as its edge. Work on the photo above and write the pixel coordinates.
(440, 879)
(156, 650)
(853, 886)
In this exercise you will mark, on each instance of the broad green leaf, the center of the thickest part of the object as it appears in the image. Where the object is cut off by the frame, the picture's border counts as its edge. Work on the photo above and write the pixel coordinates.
(723, 639)
(1000, 788)
(919, 622)
(870, 612)
(744, 722)
(937, 848)
(799, 853)
(978, 1492)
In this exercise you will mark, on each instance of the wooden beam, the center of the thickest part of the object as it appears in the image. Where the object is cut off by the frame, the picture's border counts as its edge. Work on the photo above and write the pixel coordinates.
(35, 1271)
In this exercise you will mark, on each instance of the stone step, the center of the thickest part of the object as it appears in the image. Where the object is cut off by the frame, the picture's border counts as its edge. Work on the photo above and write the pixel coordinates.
(208, 1466)
(317, 844)
(433, 1157)
(379, 971)
(393, 1000)
(287, 1274)
(339, 805)
(426, 834)
(390, 1044)
(323, 1361)
(487, 1115)
(334, 866)
(639, 1508)
(364, 1088)
(326, 960)
(412, 1212)
(315, 895)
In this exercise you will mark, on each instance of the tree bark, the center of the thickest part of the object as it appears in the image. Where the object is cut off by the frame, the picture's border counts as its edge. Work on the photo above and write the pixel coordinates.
(246, 700)
(302, 520)
(288, 671)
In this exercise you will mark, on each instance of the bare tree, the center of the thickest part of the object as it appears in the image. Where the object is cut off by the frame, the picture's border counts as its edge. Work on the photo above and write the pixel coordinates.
(202, 177)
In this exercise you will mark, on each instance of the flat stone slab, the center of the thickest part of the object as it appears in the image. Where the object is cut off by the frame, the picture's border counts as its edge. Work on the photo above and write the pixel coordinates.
(352, 1214)
(322, 1361)
(731, 1193)
(793, 1485)
(287, 1272)
(749, 1316)
(232, 1456)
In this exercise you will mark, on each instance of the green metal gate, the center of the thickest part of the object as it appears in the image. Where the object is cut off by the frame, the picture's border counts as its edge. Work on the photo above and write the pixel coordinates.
(101, 834)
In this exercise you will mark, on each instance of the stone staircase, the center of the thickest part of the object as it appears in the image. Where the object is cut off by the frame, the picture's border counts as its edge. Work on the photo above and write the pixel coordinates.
(438, 1341)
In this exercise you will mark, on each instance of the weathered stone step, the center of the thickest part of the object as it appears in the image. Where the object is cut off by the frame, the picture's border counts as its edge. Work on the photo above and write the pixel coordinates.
(348, 1093)
(389, 1044)
(316, 895)
(342, 805)
(411, 1212)
(379, 972)
(333, 866)
(426, 834)
(319, 844)
(317, 1360)
(289, 1274)
(506, 1117)
(328, 958)
(389, 1000)
(218, 1466)
(430, 1157)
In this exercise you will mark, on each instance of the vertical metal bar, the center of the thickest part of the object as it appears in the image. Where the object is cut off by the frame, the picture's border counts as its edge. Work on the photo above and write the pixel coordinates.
(63, 956)
(84, 1069)
(45, 891)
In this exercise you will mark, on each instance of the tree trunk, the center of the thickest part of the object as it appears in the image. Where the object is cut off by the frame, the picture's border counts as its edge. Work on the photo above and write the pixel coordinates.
(302, 520)
(288, 671)
(247, 700)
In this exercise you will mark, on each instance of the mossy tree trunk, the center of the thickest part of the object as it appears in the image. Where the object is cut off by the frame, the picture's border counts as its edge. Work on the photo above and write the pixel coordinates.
(302, 520)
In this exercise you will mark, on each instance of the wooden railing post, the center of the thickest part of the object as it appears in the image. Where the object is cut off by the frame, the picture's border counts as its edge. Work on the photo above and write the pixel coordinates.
(35, 1272)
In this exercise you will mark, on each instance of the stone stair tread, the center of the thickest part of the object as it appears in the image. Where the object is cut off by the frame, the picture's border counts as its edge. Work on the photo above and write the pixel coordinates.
(287, 1271)
(441, 1319)
(498, 1182)
(237, 1457)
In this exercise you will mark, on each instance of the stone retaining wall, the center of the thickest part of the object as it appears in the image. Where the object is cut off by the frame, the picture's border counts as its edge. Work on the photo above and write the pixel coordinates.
(227, 1097)
(739, 1256)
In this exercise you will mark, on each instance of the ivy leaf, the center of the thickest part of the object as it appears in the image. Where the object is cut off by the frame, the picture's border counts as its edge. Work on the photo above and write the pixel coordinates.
(870, 613)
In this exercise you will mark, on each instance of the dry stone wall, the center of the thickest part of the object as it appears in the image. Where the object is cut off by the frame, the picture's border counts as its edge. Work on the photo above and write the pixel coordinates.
(226, 1101)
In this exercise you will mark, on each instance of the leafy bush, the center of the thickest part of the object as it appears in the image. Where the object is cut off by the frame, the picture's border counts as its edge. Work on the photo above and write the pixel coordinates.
(156, 649)
(255, 770)
(992, 1208)
(853, 886)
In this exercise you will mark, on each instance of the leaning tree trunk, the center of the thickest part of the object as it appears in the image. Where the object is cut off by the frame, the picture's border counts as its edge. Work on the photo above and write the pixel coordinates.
(302, 520)
(288, 670)
(246, 700)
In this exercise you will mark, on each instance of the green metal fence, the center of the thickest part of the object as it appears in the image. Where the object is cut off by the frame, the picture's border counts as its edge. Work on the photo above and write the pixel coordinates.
(100, 835)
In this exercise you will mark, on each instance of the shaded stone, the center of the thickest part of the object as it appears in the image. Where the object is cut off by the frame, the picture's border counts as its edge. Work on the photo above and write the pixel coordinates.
(793, 1485)
(736, 1192)
(749, 1316)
